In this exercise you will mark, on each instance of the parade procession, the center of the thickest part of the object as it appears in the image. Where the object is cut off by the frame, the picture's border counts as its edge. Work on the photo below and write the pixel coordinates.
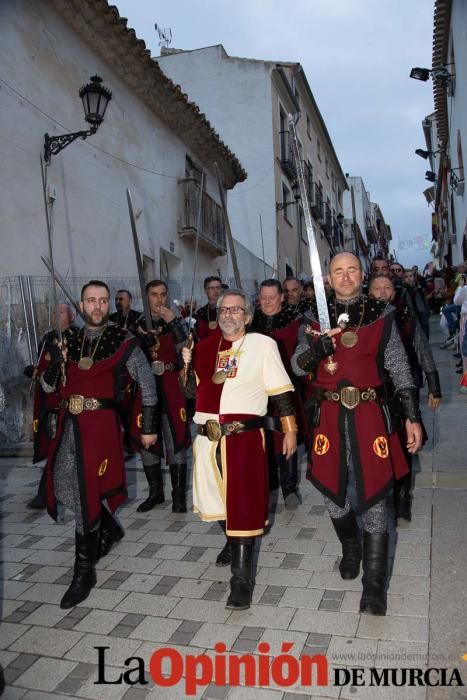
(232, 390)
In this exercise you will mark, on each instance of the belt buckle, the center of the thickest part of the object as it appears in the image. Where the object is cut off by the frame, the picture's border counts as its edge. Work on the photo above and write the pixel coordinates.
(90, 404)
(235, 427)
(350, 397)
(76, 404)
(213, 430)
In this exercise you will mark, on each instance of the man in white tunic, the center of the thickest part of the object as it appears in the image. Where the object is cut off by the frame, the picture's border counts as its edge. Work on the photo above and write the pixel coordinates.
(233, 377)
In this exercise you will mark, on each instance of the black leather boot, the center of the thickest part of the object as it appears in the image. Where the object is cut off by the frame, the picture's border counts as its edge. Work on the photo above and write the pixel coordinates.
(402, 498)
(84, 577)
(288, 474)
(38, 502)
(178, 478)
(156, 487)
(349, 536)
(110, 533)
(224, 558)
(242, 582)
(375, 566)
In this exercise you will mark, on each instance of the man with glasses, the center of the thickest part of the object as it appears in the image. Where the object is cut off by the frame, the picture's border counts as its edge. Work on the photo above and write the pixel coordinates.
(232, 377)
(206, 316)
(397, 271)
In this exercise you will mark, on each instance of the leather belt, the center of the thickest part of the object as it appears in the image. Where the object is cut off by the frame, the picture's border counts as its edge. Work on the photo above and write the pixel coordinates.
(214, 430)
(350, 396)
(76, 404)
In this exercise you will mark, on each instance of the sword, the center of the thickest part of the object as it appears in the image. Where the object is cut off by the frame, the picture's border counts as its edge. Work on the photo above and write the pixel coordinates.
(49, 239)
(58, 279)
(320, 293)
(139, 265)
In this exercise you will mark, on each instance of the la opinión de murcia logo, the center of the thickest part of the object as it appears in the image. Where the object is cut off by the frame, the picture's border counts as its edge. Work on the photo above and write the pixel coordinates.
(168, 667)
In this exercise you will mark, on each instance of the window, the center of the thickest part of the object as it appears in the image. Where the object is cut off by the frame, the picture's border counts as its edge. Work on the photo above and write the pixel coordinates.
(301, 224)
(318, 149)
(283, 132)
(192, 170)
(286, 201)
(308, 126)
(326, 167)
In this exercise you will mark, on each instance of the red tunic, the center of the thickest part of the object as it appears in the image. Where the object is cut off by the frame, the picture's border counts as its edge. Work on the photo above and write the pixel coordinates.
(44, 406)
(202, 323)
(377, 456)
(98, 437)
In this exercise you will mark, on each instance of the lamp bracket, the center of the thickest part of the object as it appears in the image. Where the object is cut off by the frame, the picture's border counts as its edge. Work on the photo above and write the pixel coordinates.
(56, 143)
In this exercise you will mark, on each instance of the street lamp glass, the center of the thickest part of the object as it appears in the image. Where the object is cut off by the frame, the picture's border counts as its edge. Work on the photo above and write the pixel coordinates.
(420, 74)
(95, 98)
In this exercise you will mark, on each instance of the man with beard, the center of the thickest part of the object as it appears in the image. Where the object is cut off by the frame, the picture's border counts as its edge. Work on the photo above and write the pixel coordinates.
(86, 461)
(206, 316)
(162, 346)
(293, 292)
(422, 364)
(232, 378)
(125, 316)
(282, 324)
(353, 460)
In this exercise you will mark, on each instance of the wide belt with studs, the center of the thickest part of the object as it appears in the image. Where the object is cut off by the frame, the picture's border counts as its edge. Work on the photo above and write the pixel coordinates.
(214, 430)
(350, 396)
(76, 404)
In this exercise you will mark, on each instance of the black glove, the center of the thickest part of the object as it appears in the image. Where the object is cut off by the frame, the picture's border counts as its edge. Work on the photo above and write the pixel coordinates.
(28, 371)
(149, 420)
(320, 347)
(408, 399)
(179, 330)
(434, 387)
(148, 340)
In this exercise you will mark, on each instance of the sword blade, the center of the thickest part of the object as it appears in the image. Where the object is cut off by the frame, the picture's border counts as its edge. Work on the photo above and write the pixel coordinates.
(320, 292)
(57, 278)
(139, 263)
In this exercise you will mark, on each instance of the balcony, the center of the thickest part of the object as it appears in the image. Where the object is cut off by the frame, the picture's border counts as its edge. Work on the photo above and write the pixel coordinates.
(212, 237)
(337, 235)
(327, 221)
(316, 203)
(287, 159)
(308, 181)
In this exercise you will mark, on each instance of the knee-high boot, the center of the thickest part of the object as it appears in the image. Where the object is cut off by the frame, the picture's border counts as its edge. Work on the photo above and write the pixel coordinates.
(224, 558)
(84, 577)
(110, 533)
(38, 502)
(178, 478)
(375, 566)
(288, 474)
(156, 487)
(242, 582)
(348, 533)
(402, 497)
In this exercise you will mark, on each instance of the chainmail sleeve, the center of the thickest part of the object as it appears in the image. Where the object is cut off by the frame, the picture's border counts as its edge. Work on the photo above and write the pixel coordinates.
(302, 358)
(139, 370)
(396, 362)
(423, 350)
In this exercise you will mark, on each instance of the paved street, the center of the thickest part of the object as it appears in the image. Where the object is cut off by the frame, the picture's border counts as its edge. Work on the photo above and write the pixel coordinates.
(159, 588)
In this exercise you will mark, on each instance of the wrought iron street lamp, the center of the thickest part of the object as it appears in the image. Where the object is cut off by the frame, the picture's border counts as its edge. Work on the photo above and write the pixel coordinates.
(95, 98)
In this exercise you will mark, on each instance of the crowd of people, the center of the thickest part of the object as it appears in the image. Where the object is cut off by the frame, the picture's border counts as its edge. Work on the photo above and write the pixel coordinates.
(257, 378)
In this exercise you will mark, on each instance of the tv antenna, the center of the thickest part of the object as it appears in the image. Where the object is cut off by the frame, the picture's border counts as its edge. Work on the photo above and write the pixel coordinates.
(165, 35)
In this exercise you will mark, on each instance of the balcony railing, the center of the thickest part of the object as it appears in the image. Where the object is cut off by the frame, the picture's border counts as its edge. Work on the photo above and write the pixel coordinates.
(212, 236)
(316, 203)
(287, 159)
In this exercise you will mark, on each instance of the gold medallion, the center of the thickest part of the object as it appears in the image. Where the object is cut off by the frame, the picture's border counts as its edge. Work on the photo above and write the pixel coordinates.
(219, 377)
(85, 363)
(212, 325)
(349, 339)
(331, 365)
(158, 367)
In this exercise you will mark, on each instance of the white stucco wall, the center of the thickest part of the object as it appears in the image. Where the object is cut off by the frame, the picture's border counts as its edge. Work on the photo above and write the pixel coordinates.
(457, 109)
(43, 65)
(235, 95)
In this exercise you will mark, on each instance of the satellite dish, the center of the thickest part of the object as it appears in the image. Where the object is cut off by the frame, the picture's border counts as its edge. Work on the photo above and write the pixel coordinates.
(165, 35)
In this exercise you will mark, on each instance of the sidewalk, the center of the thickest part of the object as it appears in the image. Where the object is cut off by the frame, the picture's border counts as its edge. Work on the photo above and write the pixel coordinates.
(160, 588)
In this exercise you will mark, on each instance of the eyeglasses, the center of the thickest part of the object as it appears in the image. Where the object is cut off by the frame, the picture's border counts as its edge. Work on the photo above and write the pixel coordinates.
(224, 310)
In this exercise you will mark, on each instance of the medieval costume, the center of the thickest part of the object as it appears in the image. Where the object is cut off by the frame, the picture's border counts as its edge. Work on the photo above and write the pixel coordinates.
(128, 321)
(233, 382)
(206, 322)
(173, 430)
(283, 328)
(354, 456)
(85, 465)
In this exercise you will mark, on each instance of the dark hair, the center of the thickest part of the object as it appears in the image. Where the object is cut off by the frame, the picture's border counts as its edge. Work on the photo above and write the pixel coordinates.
(124, 291)
(212, 278)
(272, 283)
(293, 279)
(394, 262)
(378, 276)
(156, 283)
(224, 286)
(308, 285)
(94, 283)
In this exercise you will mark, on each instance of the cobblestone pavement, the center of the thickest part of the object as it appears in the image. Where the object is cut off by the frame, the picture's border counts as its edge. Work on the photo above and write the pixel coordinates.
(160, 588)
